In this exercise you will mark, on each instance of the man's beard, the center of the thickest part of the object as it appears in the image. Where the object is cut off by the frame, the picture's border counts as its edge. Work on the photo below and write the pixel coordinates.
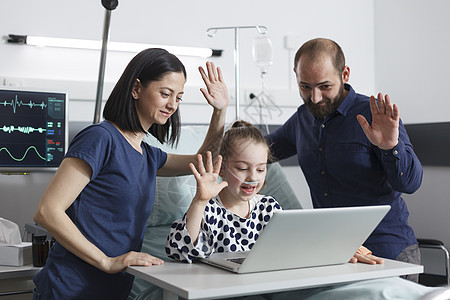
(326, 106)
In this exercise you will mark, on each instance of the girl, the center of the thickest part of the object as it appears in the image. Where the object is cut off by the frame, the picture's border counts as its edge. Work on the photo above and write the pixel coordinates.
(228, 219)
(98, 202)
(228, 216)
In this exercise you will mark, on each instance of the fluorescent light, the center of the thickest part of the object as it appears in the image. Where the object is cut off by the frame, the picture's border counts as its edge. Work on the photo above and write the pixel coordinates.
(115, 46)
(177, 50)
(42, 41)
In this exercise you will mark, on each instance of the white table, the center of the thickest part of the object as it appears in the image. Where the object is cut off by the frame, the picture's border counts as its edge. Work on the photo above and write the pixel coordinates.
(201, 281)
(17, 280)
(8, 272)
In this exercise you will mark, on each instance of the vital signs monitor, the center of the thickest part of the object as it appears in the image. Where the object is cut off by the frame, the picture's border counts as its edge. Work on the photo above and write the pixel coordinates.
(33, 129)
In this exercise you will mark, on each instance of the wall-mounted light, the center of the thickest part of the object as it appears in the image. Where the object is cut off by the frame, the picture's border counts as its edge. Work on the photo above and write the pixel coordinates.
(42, 41)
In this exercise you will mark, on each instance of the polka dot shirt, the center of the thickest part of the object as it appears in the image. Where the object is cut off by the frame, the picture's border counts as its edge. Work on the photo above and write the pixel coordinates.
(221, 230)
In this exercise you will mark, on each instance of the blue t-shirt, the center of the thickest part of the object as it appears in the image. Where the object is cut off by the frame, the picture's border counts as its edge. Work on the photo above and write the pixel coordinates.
(343, 168)
(111, 212)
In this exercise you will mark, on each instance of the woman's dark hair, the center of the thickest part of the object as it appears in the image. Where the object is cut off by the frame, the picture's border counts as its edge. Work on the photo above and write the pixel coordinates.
(241, 130)
(147, 66)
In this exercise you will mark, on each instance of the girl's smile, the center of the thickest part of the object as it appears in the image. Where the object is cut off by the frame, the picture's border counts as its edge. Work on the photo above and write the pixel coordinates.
(245, 172)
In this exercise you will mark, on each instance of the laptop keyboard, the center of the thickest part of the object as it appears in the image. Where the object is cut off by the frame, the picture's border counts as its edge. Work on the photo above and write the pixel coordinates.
(238, 260)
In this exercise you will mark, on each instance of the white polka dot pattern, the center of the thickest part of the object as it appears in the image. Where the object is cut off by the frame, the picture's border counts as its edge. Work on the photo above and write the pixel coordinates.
(221, 230)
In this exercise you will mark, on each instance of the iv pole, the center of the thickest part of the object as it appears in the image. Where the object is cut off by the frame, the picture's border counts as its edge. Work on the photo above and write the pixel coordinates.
(211, 32)
(109, 5)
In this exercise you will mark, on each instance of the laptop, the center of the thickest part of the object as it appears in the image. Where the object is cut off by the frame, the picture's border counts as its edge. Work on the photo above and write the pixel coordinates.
(301, 238)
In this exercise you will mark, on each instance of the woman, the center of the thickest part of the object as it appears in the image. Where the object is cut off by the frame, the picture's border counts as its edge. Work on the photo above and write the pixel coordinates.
(97, 204)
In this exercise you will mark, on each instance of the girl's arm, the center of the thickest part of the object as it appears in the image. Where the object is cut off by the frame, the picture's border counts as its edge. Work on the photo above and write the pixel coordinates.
(69, 180)
(216, 94)
(207, 188)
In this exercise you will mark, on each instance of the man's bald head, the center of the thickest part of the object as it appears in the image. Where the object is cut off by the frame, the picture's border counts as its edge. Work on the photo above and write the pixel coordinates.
(318, 47)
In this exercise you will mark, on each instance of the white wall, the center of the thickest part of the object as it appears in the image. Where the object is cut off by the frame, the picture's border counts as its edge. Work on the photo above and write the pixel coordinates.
(181, 23)
(399, 47)
(175, 22)
(412, 46)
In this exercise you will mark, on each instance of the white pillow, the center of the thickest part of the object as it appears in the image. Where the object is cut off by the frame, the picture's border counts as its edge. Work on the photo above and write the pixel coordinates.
(174, 194)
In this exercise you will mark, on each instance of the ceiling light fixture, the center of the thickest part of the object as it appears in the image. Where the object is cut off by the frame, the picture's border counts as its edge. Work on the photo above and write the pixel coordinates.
(42, 41)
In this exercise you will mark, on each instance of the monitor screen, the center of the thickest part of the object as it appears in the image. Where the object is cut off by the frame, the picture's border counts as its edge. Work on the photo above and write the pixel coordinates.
(33, 129)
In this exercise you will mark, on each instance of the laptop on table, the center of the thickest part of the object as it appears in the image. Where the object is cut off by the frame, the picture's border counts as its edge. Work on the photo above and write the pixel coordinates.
(301, 238)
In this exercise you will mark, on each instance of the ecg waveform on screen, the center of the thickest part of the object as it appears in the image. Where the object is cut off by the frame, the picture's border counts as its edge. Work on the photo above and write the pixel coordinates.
(22, 129)
(16, 103)
(25, 154)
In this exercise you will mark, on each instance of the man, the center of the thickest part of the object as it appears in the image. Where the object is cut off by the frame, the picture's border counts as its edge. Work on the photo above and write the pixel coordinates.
(346, 161)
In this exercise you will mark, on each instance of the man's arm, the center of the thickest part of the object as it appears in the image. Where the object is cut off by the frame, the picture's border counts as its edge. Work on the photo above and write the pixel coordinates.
(403, 168)
(282, 141)
(383, 132)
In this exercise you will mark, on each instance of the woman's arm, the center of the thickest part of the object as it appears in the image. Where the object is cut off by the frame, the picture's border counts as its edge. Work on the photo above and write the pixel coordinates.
(216, 94)
(67, 183)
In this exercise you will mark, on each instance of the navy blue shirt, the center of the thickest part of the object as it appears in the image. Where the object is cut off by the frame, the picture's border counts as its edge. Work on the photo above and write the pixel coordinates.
(342, 168)
(111, 212)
